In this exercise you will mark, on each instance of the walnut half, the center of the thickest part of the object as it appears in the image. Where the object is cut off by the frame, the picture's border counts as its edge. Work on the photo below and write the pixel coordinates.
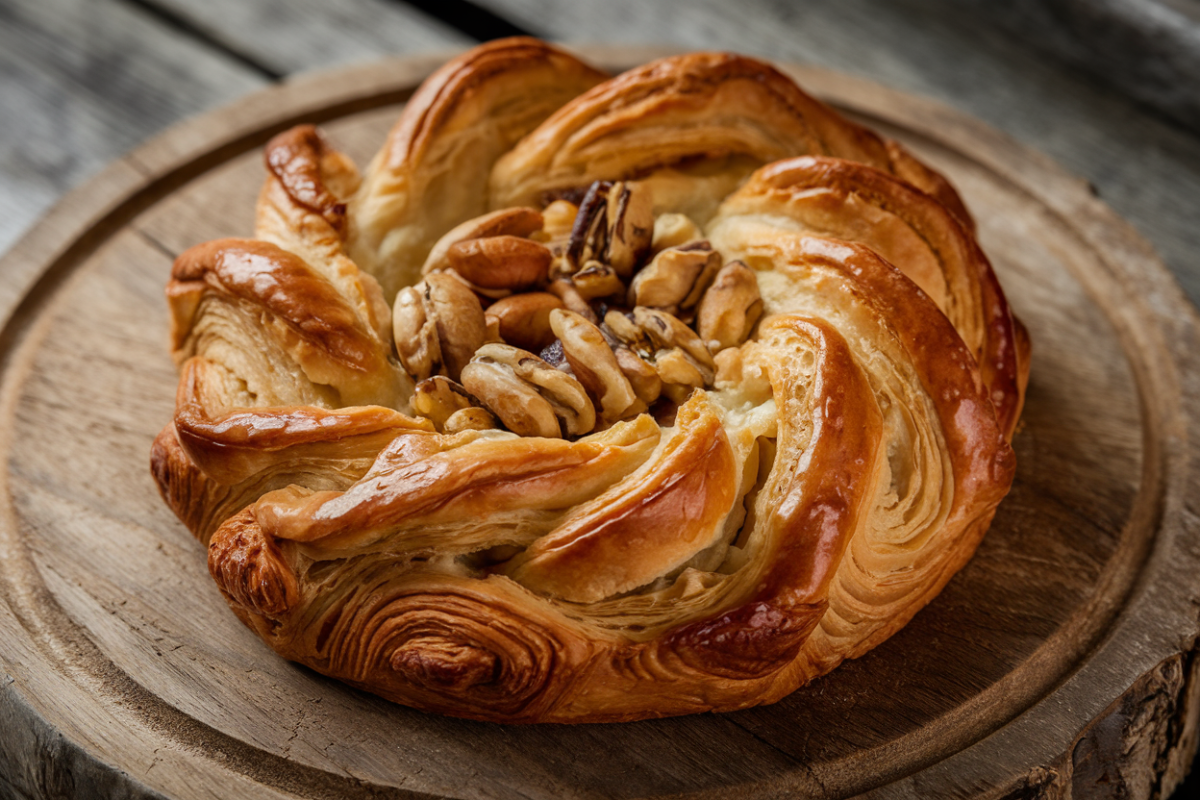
(438, 325)
(529, 396)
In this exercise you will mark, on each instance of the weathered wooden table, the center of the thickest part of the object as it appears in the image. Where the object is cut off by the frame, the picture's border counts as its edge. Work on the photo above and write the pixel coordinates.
(82, 82)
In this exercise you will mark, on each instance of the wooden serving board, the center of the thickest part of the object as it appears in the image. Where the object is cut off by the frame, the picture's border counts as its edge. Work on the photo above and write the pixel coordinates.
(1059, 662)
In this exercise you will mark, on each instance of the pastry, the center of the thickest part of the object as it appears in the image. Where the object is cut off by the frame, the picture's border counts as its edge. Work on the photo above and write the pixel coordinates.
(591, 399)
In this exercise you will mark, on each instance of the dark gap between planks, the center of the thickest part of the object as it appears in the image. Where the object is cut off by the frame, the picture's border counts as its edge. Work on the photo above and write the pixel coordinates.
(469, 19)
(181, 24)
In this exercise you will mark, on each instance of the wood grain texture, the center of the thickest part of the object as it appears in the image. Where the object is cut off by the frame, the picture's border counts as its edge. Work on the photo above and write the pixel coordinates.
(1149, 48)
(83, 82)
(299, 35)
(1060, 659)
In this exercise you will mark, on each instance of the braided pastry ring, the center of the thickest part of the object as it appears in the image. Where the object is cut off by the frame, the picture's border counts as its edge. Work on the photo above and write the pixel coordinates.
(720, 530)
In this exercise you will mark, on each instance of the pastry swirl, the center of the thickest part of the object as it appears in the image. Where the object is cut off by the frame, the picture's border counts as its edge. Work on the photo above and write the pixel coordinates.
(591, 399)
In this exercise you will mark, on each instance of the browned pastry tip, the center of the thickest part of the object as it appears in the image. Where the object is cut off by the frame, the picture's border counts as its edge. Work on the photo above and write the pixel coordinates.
(182, 485)
(249, 568)
(296, 158)
(265, 275)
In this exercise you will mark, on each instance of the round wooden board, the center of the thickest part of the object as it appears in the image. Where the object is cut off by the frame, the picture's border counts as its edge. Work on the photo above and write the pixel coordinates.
(1060, 660)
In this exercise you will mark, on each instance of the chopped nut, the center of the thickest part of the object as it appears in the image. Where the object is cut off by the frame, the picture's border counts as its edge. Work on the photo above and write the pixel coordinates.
(565, 290)
(730, 307)
(597, 280)
(628, 332)
(560, 265)
(438, 398)
(667, 332)
(680, 375)
(505, 222)
(523, 320)
(492, 334)
(500, 262)
(673, 350)
(631, 226)
(530, 397)
(641, 376)
(676, 279)
(438, 325)
(559, 218)
(673, 230)
(471, 419)
(589, 234)
(594, 364)
(614, 226)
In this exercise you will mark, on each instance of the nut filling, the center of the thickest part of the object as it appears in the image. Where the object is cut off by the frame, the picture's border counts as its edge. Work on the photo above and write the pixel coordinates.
(621, 328)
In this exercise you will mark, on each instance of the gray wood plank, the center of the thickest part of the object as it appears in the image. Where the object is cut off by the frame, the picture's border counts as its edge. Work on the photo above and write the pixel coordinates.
(1148, 48)
(1146, 168)
(297, 35)
(83, 81)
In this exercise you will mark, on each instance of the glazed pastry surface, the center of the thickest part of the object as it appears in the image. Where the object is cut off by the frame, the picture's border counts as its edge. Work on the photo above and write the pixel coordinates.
(591, 399)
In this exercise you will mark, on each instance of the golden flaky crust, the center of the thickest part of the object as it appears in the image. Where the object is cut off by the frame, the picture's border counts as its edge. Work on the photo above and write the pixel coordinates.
(785, 504)
(675, 110)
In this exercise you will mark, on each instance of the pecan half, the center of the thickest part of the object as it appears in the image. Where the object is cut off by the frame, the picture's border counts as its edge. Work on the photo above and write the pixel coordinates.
(523, 320)
(529, 396)
(500, 262)
(625, 329)
(506, 222)
(595, 365)
(614, 226)
(438, 325)
(730, 308)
